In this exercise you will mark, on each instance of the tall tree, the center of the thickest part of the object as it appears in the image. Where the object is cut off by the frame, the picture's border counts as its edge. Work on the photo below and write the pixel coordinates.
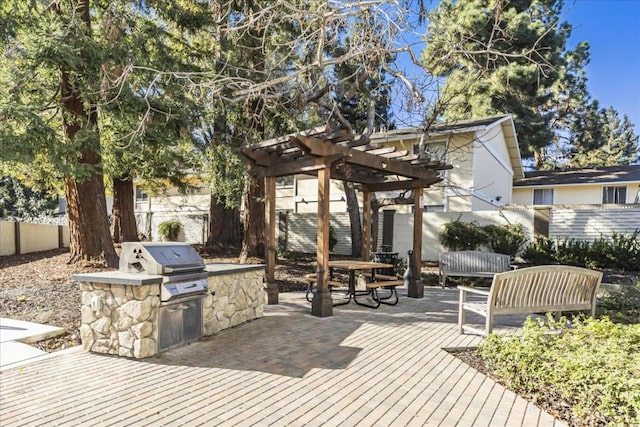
(49, 73)
(499, 56)
(148, 120)
(603, 139)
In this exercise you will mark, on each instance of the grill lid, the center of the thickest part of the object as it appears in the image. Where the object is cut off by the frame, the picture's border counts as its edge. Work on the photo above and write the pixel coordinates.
(159, 258)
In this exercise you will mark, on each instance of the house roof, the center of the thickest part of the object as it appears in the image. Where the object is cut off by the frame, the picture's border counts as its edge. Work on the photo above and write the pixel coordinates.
(596, 175)
(464, 126)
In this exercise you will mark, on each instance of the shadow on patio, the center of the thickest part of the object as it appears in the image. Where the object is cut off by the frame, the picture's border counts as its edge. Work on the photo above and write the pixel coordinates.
(289, 341)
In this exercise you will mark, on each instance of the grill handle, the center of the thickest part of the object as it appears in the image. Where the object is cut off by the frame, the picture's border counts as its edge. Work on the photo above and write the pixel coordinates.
(180, 307)
(183, 268)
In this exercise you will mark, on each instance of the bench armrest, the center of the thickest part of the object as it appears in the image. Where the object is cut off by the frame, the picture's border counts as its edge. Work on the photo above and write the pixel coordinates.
(484, 292)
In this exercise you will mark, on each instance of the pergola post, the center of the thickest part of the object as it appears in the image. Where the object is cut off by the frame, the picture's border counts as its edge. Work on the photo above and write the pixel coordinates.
(416, 289)
(366, 226)
(270, 230)
(322, 303)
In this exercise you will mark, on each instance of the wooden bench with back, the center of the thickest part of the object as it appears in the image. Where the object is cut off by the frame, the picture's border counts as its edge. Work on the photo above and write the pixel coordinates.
(472, 264)
(541, 289)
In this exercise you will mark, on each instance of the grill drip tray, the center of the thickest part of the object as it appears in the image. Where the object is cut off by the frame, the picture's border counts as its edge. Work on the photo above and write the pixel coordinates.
(179, 323)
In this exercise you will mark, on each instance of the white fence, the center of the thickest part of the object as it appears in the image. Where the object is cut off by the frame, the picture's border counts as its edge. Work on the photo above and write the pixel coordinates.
(581, 223)
(23, 238)
(195, 225)
(586, 223)
(590, 223)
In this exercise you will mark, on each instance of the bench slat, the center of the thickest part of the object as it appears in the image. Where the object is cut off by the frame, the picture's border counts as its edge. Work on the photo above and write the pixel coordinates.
(384, 283)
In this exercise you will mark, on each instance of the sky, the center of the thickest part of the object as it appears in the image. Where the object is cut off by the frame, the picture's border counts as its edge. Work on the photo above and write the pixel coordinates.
(612, 28)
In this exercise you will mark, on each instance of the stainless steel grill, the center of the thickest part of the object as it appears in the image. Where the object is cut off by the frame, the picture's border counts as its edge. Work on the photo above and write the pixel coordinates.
(184, 283)
(180, 266)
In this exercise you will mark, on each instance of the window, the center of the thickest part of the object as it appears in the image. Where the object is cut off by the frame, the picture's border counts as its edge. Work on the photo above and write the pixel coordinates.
(284, 181)
(141, 197)
(543, 196)
(614, 195)
(429, 208)
(434, 150)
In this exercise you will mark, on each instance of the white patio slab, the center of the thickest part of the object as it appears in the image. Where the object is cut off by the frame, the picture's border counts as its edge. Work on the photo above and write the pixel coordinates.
(19, 330)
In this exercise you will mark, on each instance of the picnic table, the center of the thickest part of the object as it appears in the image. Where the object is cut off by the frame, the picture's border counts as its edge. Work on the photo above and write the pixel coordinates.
(353, 266)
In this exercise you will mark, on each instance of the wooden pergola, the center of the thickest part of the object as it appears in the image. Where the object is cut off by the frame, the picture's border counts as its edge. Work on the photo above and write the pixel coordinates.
(337, 154)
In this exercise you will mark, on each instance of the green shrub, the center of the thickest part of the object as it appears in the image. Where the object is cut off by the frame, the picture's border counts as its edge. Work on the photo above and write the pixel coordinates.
(592, 364)
(462, 236)
(170, 230)
(541, 251)
(621, 252)
(573, 252)
(625, 249)
(430, 279)
(505, 239)
(599, 254)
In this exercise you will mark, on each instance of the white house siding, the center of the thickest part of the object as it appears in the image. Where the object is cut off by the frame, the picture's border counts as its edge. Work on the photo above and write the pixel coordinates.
(493, 176)
(592, 223)
(522, 196)
(460, 155)
(577, 195)
(494, 140)
(302, 232)
(587, 194)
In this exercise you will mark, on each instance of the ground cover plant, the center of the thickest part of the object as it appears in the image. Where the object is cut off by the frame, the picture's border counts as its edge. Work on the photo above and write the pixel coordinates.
(593, 365)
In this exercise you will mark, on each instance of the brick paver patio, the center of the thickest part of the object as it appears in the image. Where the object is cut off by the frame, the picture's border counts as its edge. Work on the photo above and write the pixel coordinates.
(384, 367)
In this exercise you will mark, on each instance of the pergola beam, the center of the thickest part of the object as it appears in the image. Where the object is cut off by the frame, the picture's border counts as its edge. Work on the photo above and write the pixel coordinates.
(407, 184)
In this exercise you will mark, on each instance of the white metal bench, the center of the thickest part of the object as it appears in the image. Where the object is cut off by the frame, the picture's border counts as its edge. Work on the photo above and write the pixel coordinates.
(548, 288)
(472, 264)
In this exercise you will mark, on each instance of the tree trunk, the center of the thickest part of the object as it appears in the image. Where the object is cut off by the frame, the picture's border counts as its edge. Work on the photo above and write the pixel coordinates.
(225, 227)
(375, 221)
(253, 244)
(123, 220)
(354, 218)
(90, 238)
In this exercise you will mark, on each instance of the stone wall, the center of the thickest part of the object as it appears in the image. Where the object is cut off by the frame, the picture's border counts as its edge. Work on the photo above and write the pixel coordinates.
(120, 319)
(239, 297)
(123, 319)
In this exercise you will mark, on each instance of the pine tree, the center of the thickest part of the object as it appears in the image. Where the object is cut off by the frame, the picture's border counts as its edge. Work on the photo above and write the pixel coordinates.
(499, 57)
(603, 139)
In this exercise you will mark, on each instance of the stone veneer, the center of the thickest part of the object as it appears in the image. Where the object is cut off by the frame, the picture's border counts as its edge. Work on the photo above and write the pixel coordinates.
(120, 319)
(120, 310)
(239, 297)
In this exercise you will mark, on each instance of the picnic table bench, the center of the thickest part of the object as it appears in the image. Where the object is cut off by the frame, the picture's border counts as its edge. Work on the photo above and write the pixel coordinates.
(374, 283)
(547, 288)
(472, 264)
(383, 281)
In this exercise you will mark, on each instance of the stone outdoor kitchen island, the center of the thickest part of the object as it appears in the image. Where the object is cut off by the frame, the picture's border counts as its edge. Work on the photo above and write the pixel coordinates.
(126, 314)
